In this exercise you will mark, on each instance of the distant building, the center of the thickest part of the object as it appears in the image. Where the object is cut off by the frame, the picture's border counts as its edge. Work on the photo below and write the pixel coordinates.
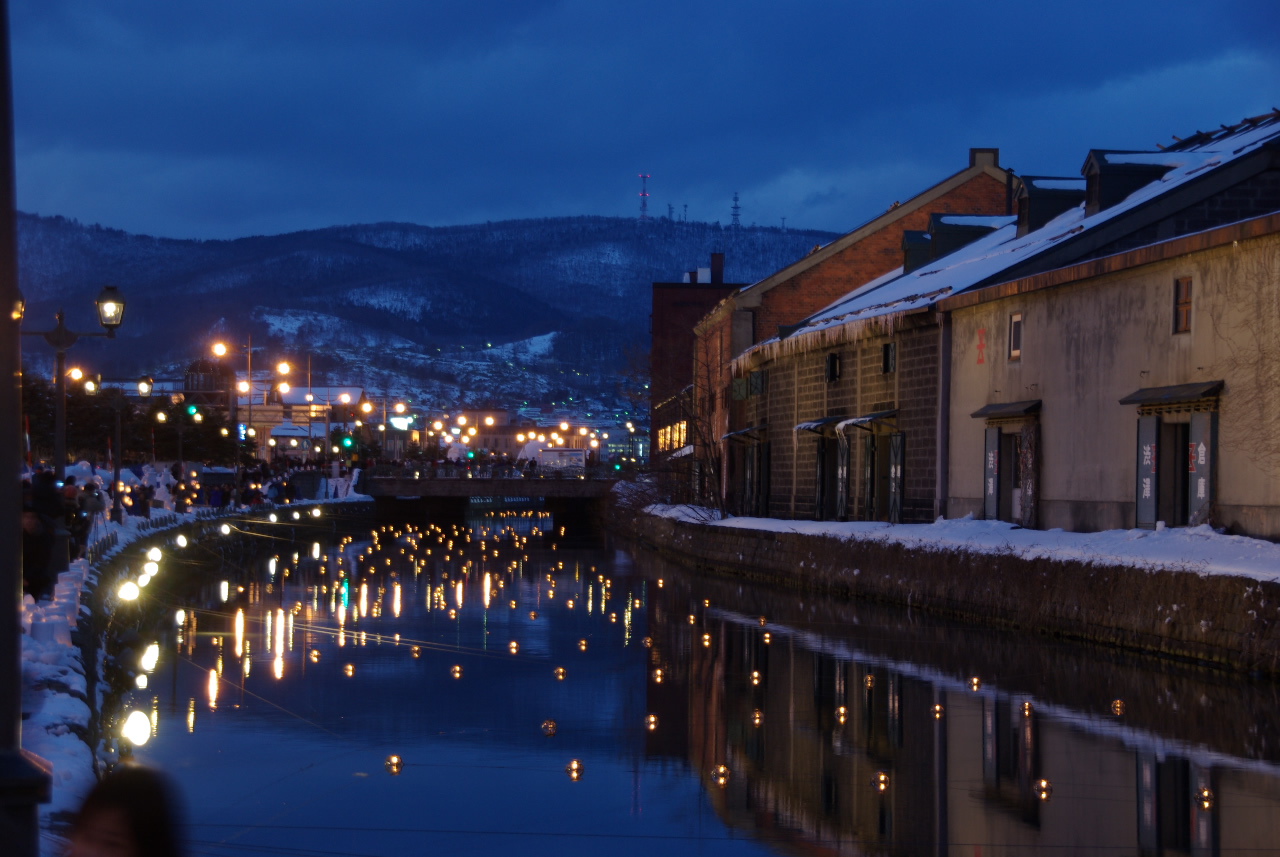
(677, 308)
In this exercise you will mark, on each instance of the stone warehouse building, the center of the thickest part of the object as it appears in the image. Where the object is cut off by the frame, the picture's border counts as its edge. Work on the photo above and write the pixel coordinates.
(849, 414)
(757, 312)
(1144, 386)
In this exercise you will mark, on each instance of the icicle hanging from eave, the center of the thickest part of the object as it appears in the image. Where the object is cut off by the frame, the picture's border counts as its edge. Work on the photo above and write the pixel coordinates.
(883, 324)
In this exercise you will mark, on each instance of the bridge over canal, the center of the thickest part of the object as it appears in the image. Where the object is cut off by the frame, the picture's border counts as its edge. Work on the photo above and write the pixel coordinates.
(442, 494)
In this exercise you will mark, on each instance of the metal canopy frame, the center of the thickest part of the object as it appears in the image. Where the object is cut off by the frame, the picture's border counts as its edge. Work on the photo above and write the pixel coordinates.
(867, 422)
(744, 435)
(1176, 394)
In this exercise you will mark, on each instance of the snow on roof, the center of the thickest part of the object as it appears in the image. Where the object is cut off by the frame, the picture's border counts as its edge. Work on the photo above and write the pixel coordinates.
(288, 429)
(885, 301)
(297, 396)
(994, 221)
(1057, 184)
(1156, 159)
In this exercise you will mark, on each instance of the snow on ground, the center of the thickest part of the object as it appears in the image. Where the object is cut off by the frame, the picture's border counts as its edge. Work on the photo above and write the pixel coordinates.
(1196, 549)
(535, 348)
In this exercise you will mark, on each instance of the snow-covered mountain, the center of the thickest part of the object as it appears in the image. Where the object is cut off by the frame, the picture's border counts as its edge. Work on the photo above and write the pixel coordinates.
(495, 312)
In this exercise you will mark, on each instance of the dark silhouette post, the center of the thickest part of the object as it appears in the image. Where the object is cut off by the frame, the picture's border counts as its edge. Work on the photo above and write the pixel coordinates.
(24, 778)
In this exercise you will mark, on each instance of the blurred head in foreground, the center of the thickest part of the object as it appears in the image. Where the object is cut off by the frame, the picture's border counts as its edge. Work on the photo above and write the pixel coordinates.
(133, 812)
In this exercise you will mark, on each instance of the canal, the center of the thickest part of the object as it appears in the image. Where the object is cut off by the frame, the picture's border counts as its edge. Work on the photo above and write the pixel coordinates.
(495, 687)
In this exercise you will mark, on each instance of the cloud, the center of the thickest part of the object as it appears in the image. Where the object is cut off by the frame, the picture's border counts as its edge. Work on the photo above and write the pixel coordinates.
(212, 120)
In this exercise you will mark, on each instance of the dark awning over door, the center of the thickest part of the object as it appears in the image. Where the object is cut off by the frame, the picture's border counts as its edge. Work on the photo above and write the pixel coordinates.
(746, 434)
(866, 420)
(1007, 410)
(821, 425)
(1173, 395)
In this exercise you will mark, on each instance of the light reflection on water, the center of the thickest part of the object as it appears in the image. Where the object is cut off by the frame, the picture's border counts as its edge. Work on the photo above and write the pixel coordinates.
(749, 721)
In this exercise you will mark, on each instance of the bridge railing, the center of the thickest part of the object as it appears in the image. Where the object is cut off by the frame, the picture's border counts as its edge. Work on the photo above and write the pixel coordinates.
(428, 470)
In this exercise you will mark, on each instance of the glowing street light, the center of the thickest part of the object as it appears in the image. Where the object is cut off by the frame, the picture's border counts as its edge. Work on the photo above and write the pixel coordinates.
(219, 349)
(282, 367)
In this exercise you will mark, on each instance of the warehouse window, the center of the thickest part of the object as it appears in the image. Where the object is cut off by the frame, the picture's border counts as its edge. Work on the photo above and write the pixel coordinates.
(889, 357)
(1015, 336)
(1182, 305)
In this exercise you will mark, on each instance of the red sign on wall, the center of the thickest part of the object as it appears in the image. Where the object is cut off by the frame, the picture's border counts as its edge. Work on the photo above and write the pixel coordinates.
(982, 344)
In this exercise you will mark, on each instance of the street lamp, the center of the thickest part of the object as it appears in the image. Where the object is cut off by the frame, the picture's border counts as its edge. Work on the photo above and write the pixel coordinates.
(110, 305)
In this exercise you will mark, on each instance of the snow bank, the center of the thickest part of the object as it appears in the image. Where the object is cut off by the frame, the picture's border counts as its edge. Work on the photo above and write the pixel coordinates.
(1195, 549)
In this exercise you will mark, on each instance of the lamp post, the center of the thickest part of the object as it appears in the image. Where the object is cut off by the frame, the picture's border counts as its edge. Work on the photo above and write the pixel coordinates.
(110, 305)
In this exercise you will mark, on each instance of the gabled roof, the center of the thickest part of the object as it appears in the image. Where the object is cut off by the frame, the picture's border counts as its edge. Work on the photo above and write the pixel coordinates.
(1002, 255)
(982, 161)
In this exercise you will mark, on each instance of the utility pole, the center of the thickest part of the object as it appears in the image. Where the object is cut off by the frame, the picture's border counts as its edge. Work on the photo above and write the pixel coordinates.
(24, 777)
(644, 196)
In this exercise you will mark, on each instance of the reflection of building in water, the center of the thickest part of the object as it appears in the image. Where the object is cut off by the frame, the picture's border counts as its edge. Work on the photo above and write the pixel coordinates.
(836, 751)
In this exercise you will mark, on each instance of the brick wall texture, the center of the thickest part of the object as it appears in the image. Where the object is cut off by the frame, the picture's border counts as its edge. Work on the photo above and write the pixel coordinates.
(871, 257)
(797, 391)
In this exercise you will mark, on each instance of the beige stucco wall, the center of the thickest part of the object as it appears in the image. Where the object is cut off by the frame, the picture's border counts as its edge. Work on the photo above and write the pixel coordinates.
(1089, 344)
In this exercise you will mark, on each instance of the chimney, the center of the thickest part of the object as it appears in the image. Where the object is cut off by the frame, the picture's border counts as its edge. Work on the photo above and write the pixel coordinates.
(717, 268)
(984, 157)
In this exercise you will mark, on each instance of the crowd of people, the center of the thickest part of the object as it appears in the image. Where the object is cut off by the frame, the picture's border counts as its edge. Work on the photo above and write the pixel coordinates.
(74, 505)
(47, 506)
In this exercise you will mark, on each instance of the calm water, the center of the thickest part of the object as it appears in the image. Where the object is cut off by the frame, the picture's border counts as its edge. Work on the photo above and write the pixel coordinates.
(705, 716)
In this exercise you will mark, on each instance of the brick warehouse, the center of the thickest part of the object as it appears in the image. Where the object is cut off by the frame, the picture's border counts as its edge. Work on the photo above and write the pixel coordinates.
(848, 413)
(756, 313)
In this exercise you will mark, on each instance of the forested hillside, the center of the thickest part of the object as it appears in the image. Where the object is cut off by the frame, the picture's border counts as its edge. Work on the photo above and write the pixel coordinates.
(404, 305)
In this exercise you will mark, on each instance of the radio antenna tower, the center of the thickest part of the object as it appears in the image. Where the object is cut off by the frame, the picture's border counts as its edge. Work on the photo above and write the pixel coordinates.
(736, 210)
(644, 196)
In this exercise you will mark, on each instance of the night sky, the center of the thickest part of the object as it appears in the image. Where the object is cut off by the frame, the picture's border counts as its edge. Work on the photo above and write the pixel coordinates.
(223, 119)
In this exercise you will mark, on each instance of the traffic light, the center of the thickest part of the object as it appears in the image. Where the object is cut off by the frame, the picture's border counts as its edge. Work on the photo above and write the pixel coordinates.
(192, 410)
(346, 441)
(617, 467)
(470, 454)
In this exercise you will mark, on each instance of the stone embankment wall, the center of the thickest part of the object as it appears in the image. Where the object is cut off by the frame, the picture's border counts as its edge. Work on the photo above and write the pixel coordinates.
(1231, 622)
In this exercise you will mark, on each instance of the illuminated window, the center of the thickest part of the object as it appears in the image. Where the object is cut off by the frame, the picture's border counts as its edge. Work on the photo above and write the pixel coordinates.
(1182, 305)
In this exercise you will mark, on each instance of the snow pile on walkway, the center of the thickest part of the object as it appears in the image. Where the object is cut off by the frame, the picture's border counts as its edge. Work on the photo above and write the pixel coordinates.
(55, 704)
(1201, 549)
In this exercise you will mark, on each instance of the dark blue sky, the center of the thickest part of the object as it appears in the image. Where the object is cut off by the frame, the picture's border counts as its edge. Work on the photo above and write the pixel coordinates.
(223, 119)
